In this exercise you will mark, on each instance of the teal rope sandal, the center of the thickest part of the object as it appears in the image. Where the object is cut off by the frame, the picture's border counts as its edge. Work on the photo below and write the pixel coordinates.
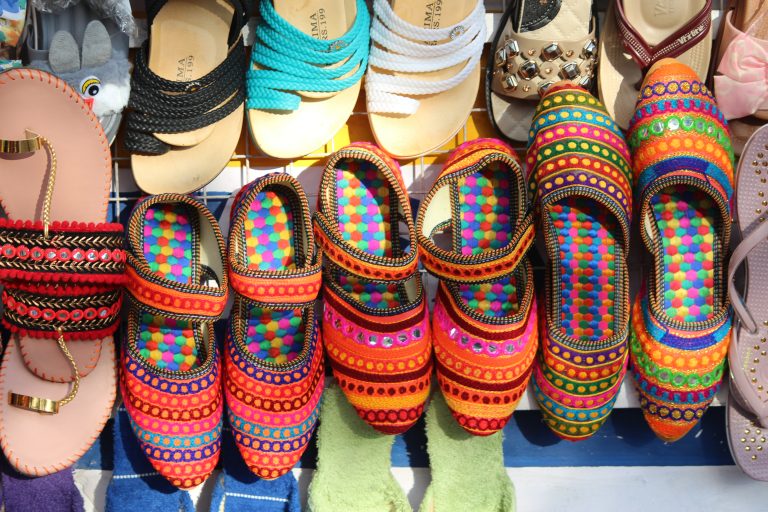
(306, 68)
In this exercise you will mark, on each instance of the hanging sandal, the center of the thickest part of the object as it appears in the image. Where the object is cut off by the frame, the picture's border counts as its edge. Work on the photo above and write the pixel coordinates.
(484, 324)
(169, 366)
(536, 45)
(62, 279)
(423, 72)
(748, 397)
(187, 93)
(375, 318)
(307, 65)
(274, 371)
(638, 34)
(584, 198)
(681, 319)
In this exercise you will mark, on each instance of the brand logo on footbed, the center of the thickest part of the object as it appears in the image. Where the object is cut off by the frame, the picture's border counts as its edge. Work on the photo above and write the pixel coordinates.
(433, 13)
(663, 7)
(184, 69)
(319, 24)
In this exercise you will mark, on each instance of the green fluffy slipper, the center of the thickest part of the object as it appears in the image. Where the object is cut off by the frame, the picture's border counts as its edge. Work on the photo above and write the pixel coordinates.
(353, 463)
(476, 480)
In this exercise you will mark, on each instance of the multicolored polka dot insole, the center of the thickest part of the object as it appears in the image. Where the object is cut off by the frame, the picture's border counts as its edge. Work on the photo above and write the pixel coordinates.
(364, 197)
(686, 220)
(164, 342)
(587, 268)
(275, 336)
(487, 223)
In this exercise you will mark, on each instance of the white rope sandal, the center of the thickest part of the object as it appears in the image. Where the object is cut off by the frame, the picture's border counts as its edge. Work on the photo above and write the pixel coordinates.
(423, 72)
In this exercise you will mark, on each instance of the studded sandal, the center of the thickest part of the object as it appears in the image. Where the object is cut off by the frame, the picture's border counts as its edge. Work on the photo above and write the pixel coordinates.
(62, 268)
(536, 45)
(375, 316)
(274, 369)
(484, 324)
(169, 365)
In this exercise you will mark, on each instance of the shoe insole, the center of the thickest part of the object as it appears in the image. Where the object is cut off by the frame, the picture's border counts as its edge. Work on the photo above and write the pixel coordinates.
(169, 239)
(440, 116)
(365, 203)
(587, 268)
(275, 336)
(487, 223)
(686, 222)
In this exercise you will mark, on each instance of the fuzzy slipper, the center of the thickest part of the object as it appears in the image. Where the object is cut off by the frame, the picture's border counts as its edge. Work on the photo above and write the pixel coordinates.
(353, 463)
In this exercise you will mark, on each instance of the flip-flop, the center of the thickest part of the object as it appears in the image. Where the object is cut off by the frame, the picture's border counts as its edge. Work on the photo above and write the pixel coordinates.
(742, 56)
(423, 72)
(537, 44)
(638, 34)
(748, 363)
(681, 319)
(580, 162)
(169, 378)
(13, 18)
(479, 482)
(62, 267)
(307, 65)
(353, 463)
(187, 93)
(274, 372)
(474, 228)
(87, 52)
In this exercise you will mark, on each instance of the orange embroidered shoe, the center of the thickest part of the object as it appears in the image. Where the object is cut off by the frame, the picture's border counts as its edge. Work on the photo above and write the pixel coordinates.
(274, 372)
(484, 325)
(375, 318)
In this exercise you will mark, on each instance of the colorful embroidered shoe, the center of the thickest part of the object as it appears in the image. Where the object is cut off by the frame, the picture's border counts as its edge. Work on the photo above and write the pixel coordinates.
(583, 186)
(375, 319)
(683, 163)
(170, 367)
(273, 361)
(484, 325)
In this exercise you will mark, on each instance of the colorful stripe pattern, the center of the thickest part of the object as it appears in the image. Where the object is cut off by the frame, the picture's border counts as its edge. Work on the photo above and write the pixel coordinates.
(375, 319)
(274, 369)
(583, 185)
(485, 328)
(683, 161)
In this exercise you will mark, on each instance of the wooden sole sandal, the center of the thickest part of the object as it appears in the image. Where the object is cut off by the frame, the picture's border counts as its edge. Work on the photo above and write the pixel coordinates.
(307, 65)
(62, 268)
(536, 45)
(169, 365)
(638, 34)
(681, 318)
(274, 363)
(187, 93)
(580, 162)
(375, 317)
(423, 72)
(474, 229)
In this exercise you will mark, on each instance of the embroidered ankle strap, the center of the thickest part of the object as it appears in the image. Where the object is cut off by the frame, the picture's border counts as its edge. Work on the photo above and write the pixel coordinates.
(405, 48)
(288, 60)
(164, 297)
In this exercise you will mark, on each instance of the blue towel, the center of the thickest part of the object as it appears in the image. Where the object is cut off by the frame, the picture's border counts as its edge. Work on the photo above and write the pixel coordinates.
(51, 493)
(135, 485)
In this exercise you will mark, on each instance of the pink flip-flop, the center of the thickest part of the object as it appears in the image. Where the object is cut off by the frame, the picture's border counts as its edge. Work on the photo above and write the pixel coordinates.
(748, 353)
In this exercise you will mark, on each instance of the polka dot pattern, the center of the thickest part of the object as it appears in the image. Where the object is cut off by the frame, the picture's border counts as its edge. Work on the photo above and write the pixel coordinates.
(487, 224)
(587, 271)
(686, 220)
(164, 342)
(275, 336)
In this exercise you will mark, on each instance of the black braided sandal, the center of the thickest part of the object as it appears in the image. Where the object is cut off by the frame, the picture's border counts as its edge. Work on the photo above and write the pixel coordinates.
(187, 93)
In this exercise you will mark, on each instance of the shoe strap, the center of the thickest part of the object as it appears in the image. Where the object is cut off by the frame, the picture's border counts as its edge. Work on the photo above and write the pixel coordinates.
(275, 289)
(287, 60)
(738, 257)
(329, 237)
(164, 297)
(685, 38)
(488, 265)
(406, 48)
